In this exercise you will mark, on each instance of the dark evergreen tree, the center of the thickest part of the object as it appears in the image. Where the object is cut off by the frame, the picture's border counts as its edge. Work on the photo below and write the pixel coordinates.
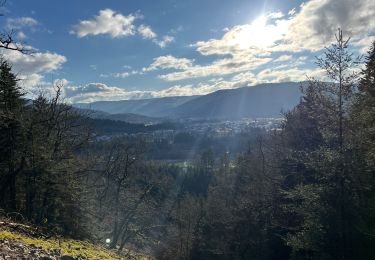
(11, 135)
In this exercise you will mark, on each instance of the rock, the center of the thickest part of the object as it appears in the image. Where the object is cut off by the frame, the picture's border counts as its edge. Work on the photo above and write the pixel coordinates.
(45, 258)
(56, 252)
(67, 257)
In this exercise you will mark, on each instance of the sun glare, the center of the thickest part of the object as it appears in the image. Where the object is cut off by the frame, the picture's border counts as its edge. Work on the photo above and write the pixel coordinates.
(256, 34)
(260, 22)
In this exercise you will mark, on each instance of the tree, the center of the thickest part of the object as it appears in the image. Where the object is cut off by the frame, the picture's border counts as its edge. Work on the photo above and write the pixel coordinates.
(363, 142)
(364, 107)
(55, 133)
(322, 184)
(11, 159)
(184, 219)
(340, 67)
(38, 157)
(128, 194)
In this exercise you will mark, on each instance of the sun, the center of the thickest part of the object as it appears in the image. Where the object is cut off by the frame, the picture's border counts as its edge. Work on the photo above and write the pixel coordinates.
(260, 22)
(255, 34)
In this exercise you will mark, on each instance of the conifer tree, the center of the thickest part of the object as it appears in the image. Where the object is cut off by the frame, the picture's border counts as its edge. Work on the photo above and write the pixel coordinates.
(11, 160)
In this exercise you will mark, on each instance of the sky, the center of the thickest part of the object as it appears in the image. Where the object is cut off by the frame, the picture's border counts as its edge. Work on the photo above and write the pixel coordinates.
(132, 49)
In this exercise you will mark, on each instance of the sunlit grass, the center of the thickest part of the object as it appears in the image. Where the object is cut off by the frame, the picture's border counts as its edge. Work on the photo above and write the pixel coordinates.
(69, 247)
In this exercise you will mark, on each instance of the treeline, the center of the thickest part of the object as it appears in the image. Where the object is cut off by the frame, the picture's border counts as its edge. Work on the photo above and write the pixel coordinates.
(113, 127)
(54, 174)
(304, 192)
(186, 146)
(39, 167)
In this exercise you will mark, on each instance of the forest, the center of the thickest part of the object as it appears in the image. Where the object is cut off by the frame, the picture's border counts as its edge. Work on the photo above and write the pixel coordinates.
(305, 190)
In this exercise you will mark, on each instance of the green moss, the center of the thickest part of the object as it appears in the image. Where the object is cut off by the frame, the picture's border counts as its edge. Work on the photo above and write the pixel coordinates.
(69, 247)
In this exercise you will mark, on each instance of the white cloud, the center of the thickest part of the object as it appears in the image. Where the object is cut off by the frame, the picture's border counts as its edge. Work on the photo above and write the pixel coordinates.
(283, 58)
(164, 41)
(107, 22)
(38, 62)
(30, 69)
(218, 68)
(314, 25)
(99, 91)
(169, 62)
(61, 82)
(292, 12)
(20, 22)
(364, 44)
(244, 77)
(146, 32)
(310, 28)
(203, 88)
(31, 82)
(91, 88)
(245, 52)
(122, 75)
(179, 28)
(103, 75)
(242, 80)
(248, 38)
(21, 35)
(118, 25)
(289, 74)
(276, 15)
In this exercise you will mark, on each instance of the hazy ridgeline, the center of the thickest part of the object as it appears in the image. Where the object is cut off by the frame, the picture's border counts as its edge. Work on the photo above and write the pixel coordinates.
(302, 191)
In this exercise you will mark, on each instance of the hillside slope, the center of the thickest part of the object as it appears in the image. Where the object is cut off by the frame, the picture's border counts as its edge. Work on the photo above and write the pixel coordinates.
(265, 100)
(20, 241)
(155, 107)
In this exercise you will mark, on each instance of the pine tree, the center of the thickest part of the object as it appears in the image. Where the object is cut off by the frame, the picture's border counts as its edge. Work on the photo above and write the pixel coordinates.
(11, 159)
(364, 108)
(321, 184)
(363, 143)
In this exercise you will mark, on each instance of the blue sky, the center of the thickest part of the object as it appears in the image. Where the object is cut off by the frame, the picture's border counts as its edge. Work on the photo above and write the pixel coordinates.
(111, 50)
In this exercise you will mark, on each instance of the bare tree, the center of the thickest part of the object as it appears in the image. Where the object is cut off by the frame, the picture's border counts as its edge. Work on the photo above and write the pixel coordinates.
(7, 40)
(127, 194)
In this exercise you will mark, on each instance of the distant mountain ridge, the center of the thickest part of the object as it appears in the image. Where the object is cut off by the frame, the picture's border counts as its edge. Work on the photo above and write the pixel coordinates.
(264, 100)
(154, 107)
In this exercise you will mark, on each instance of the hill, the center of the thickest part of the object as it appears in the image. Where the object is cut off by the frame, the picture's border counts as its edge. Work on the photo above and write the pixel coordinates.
(155, 107)
(20, 241)
(264, 100)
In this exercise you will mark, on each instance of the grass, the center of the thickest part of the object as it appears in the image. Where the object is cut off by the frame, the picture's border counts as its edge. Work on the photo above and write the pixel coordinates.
(69, 247)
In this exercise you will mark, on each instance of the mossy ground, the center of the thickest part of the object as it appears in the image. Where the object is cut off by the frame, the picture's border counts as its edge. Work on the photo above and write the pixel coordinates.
(74, 248)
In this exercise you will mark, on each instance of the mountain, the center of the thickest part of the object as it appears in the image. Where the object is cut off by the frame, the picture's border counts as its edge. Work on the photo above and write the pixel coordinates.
(264, 100)
(155, 107)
